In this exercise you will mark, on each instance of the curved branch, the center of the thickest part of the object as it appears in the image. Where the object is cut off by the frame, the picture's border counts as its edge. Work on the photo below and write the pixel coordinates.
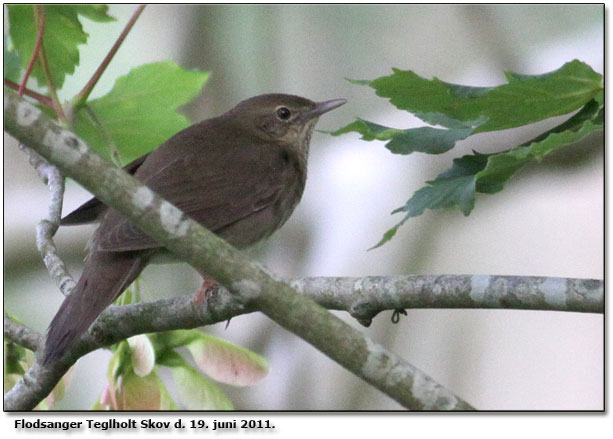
(208, 253)
(47, 227)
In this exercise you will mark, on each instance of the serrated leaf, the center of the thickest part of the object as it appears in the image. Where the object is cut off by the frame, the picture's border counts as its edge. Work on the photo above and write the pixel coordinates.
(142, 353)
(453, 188)
(424, 139)
(500, 167)
(63, 34)
(487, 173)
(368, 130)
(525, 99)
(98, 13)
(138, 114)
(195, 391)
(226, 362)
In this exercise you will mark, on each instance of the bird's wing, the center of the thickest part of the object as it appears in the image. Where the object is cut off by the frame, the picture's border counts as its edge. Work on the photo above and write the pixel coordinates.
(93, 209)
(213, 189)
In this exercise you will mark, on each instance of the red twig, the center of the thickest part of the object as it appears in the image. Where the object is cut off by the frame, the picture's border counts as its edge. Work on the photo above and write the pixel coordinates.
(39, 40)
(39, 11)
(84, 94)
(45, 100)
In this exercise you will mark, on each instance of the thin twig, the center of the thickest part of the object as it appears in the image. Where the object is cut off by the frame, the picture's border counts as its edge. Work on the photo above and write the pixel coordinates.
(45, 100)
(82, 96)
(47, 227)
(39, 11)
(39, 39)
(22, 335)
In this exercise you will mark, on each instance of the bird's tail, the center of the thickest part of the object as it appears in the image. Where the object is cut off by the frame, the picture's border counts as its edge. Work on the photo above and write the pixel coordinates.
(105, 276)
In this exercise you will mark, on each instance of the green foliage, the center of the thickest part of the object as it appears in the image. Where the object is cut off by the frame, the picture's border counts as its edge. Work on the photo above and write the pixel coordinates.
(525, 99)
(425, 139)
(462, 111)
(139, 113)
(12, 62)
(63, 34)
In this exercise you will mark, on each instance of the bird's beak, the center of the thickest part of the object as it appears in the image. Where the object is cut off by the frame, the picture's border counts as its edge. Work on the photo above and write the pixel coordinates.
(323, 107)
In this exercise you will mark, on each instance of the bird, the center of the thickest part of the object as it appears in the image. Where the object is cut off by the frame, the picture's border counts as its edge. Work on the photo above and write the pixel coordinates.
(240, 175)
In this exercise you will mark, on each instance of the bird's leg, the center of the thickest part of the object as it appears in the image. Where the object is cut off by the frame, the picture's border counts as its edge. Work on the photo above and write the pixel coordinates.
(208, 285)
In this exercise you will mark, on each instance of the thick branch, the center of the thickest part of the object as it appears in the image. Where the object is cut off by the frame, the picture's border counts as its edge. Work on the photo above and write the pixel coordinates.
(365, 297)
(206, 252)
(349, 294)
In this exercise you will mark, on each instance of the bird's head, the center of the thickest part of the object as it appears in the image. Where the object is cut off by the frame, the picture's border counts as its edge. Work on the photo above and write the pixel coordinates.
(282, 118)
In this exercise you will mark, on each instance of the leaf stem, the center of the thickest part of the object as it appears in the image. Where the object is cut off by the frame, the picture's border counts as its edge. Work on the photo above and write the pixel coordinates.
(39, 39)
(85, 92)
(45, 100)
(39, 11)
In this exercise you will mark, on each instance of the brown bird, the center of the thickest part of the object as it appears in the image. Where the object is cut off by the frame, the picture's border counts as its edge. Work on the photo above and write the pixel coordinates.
(240, 175)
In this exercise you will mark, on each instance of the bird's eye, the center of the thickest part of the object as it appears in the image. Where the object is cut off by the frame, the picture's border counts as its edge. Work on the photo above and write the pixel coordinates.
(283, 113)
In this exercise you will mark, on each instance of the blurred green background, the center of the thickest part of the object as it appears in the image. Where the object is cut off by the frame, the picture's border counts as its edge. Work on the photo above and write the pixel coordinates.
(548, 221)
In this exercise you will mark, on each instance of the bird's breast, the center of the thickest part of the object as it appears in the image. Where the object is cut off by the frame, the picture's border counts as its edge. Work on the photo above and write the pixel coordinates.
(289, 173)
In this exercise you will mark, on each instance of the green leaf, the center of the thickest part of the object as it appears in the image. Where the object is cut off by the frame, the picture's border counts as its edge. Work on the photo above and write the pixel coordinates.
(368, 130)
(487, 173)
(424, 139)
(525, 99)
(63, 34)
(195, 391)
(12, 62)
(139, 113)
(500, 167)
(226, 362)
(454, 187)
(98, 13)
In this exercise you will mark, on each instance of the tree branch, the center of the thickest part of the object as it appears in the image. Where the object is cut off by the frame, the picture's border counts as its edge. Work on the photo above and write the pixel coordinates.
(22, 335)
(47, 227)
(208, 253)
(45, 100)
(365, 297)
(347, 294)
